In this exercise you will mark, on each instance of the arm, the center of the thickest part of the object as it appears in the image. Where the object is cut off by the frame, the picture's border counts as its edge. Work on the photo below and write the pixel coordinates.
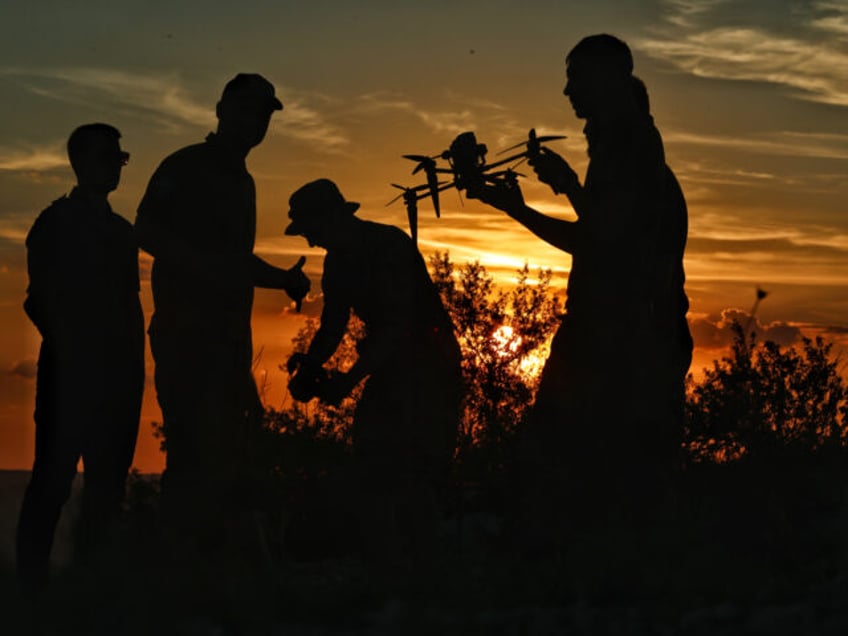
(561, 234)
(334, 316)
(295, 283)
(308, 377)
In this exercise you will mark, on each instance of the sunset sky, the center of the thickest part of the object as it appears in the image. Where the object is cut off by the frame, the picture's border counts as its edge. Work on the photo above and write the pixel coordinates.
(751, 97)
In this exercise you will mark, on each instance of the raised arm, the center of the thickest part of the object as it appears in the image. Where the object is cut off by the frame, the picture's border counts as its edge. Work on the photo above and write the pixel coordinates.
(559, 233)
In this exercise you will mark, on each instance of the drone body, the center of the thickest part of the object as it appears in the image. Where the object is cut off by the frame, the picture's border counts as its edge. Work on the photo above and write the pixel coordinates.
(468, 168)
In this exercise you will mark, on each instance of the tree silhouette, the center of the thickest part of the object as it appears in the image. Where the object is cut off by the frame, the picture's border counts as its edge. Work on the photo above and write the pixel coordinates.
(762, 396)
(504, 337)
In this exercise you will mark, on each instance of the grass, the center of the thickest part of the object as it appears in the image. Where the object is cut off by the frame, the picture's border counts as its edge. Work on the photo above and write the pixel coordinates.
(741, 536)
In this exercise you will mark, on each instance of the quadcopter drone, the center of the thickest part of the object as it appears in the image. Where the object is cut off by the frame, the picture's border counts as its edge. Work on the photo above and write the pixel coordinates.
(469, 171)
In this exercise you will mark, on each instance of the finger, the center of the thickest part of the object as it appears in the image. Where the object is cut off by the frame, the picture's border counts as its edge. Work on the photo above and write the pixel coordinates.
(298, 304)
(299, 263)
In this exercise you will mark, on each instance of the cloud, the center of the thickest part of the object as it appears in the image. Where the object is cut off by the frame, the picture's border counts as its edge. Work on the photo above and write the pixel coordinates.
(164, 98)
(786, 143)
(809, 66)
(469, 114)
(27, 368)
(717, 332)
(836, 20)
(684, 13)
(305, 120)
(35, 158)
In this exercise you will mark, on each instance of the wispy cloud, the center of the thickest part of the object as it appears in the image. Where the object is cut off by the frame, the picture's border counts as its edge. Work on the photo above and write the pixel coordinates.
(812, 68)
(684, 13)
(470, 113)
(786, 143)
(836, 20)
(306, 123)
(34, 158)
(165, 99)
(162, 96)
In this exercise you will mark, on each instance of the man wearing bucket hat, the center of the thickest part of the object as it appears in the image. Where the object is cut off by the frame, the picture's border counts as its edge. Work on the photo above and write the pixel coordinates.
(198, 220)
(406, 419)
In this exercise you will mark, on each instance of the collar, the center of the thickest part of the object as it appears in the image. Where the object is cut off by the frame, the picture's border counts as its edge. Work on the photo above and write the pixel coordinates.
(226, 150)
(86, 201)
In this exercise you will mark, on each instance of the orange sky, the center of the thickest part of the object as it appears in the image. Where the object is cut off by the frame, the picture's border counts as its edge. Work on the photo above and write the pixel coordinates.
(751, 101)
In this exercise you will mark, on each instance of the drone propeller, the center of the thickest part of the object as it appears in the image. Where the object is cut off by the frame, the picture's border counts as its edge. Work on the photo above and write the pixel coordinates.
(532, 139)
(408, 191)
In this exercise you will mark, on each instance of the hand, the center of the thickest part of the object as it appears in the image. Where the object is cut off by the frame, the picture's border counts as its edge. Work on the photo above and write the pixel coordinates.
(503, 196)
(335, 388)
(300, 360)
(306, 376)
(297, 283)
(552, 170)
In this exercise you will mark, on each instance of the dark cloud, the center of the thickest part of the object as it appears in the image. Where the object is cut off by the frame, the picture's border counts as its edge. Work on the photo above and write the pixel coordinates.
(717, 333)
(771, 246)
(25, 368)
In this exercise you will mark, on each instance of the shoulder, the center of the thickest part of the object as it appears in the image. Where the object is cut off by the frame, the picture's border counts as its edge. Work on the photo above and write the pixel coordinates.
(51, 219)
(387, 236)
(120, 225)
(185, 160)
(177, 169)
(186, 156)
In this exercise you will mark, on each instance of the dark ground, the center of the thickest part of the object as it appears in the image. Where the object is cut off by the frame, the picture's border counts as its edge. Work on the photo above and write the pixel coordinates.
(746, 548)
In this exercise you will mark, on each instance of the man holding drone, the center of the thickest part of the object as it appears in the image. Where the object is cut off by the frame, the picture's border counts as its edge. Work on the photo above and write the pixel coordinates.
(608, 416)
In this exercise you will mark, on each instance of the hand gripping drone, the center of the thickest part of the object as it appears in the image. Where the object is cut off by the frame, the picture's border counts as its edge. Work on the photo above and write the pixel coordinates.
(468, 168)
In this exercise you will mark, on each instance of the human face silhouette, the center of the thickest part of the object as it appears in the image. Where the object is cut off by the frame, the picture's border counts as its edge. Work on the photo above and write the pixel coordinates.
(244, 122)
(99, 164)
(586, 90)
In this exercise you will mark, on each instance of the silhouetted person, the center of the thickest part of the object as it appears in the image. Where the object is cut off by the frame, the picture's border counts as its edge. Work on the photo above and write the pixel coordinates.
(83, 297)
(608, 416)
(406, 420)
(198, 220)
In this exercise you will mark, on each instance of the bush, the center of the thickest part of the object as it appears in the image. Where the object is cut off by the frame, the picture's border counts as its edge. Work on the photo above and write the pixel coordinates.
(763, 396)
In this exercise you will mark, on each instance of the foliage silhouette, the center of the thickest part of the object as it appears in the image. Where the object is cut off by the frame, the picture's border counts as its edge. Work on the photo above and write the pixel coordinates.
(762, 396)
(498, 332)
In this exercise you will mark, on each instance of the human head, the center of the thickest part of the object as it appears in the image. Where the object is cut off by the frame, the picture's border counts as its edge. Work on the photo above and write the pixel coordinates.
(96, 157)
(245, 108)
(640, 96)
(599, 70)
(316, 210)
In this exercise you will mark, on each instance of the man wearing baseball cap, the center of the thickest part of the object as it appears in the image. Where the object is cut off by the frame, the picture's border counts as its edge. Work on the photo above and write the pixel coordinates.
(198, 220)
(406, 420)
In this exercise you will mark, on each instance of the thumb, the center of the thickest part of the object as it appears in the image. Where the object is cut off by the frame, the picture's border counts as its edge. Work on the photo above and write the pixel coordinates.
(299, 263)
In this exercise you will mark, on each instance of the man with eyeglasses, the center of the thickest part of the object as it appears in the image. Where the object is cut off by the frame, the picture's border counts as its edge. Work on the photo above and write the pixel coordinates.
(82, 260)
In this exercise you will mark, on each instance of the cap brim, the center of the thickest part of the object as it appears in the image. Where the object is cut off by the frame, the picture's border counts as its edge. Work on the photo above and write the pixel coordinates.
(276, 104)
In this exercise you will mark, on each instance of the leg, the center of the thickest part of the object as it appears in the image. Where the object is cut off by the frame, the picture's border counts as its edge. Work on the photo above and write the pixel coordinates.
(57, 447)
(107, 454)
